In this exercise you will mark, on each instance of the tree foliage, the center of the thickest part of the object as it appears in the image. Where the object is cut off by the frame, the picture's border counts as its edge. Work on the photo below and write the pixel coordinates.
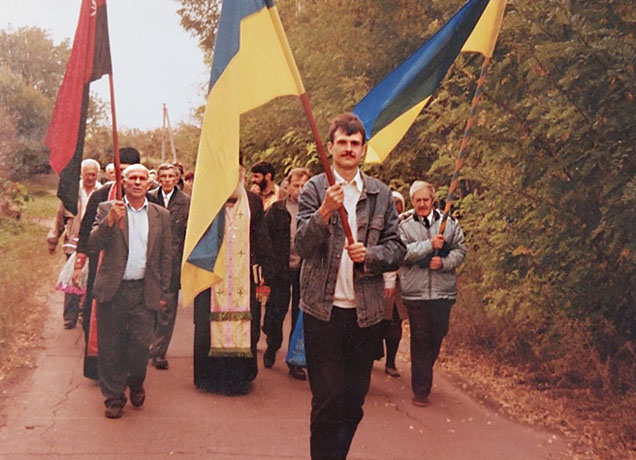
(99, 144)
(201, 18)
(549, 189)
(31, 67)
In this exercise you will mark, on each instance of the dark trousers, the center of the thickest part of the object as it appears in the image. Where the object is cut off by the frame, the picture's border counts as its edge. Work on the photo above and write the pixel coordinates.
(283, 288)
(428, 320)
(391, 336)
(164, 326)
(71, 307)
(339, 362)
(124, 333)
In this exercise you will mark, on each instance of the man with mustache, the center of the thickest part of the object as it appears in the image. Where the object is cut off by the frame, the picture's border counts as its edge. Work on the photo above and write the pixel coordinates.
(342, 289)
(263, 184)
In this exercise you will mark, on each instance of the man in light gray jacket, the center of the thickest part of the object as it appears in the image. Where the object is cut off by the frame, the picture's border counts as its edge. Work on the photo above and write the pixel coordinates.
(429, 284)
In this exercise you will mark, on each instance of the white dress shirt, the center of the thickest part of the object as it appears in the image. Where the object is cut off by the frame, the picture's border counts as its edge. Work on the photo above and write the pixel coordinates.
(344, 295)
(166, 198)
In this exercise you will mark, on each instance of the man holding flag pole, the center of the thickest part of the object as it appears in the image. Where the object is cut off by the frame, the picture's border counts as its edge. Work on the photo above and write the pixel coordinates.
(342, 288)
(252, 65)
(90, 59)
(433, 250)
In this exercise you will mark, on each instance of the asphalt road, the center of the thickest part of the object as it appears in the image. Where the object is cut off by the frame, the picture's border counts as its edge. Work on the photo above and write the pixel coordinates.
(54, 412)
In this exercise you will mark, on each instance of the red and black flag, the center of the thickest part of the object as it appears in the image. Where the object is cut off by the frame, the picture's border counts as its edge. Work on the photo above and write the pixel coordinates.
(90, 59)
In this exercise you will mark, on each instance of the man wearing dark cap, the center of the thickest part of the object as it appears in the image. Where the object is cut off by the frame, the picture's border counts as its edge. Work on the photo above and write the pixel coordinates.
(127, 157)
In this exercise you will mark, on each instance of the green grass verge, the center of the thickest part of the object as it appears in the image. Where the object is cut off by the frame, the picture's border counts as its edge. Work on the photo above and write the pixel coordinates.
(26, 269)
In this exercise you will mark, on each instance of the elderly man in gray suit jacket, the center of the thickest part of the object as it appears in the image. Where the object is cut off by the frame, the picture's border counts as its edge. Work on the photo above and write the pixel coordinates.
(177, 203)
(132, 284)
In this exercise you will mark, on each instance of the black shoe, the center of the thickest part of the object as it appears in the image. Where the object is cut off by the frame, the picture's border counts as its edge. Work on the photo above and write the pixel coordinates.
(392, 371)
(137, 397)
(297, 373)
(240, 389)
(160, 363)
(69, 324)
(269, 358)
(113, 411)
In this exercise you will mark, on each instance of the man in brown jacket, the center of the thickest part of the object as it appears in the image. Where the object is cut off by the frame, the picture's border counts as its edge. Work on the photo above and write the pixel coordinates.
(130, 287)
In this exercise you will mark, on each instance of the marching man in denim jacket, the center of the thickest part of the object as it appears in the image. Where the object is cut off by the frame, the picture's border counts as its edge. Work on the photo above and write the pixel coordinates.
(342, 290)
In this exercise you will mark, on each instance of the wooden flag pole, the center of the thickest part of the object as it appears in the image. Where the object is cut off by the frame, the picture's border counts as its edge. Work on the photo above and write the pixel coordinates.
(115, 137)
(278, 26)
(92, 341)
(325, 163)
(463, 149)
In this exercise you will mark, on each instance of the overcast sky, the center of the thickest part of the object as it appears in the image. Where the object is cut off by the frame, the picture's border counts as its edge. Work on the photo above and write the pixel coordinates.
(154, 59)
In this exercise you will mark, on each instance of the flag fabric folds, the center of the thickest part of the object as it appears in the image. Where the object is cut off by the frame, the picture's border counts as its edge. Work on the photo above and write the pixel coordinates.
(485, 34)
(90, 59)
(390, 108)
(252, 65)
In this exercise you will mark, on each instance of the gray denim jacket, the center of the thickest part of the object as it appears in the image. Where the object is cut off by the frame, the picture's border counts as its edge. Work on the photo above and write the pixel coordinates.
(320, 244)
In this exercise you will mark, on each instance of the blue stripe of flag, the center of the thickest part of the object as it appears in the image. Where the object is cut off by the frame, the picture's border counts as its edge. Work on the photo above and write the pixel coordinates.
(417, 77)
(228, 36)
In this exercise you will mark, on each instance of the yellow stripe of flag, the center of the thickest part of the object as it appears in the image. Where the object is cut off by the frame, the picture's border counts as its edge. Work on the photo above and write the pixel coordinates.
(262, 69)
(484, 36)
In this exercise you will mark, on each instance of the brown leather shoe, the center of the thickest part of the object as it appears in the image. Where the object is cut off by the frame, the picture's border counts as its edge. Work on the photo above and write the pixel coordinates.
(137, 397)
(420, 402)
(113, 411)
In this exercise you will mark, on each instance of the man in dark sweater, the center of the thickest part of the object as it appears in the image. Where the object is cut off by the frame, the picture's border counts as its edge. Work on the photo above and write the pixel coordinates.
(280, 220)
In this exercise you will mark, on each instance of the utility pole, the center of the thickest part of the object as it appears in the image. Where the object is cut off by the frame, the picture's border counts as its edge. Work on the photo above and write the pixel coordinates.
(166, 122)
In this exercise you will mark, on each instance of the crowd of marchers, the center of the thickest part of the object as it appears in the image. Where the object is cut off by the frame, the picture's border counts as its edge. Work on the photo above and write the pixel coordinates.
(353, 290)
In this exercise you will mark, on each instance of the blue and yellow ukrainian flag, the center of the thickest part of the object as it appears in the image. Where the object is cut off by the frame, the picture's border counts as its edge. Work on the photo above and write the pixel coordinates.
(252, 65)
(389, 109)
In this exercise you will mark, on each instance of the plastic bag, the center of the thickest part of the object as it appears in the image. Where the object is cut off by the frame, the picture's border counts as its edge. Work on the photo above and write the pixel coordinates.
(296, 352)
(64, 282)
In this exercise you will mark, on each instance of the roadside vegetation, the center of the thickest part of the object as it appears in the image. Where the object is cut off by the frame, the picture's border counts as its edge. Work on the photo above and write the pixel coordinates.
(27, 272)
(548, 191)
(545, 327)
